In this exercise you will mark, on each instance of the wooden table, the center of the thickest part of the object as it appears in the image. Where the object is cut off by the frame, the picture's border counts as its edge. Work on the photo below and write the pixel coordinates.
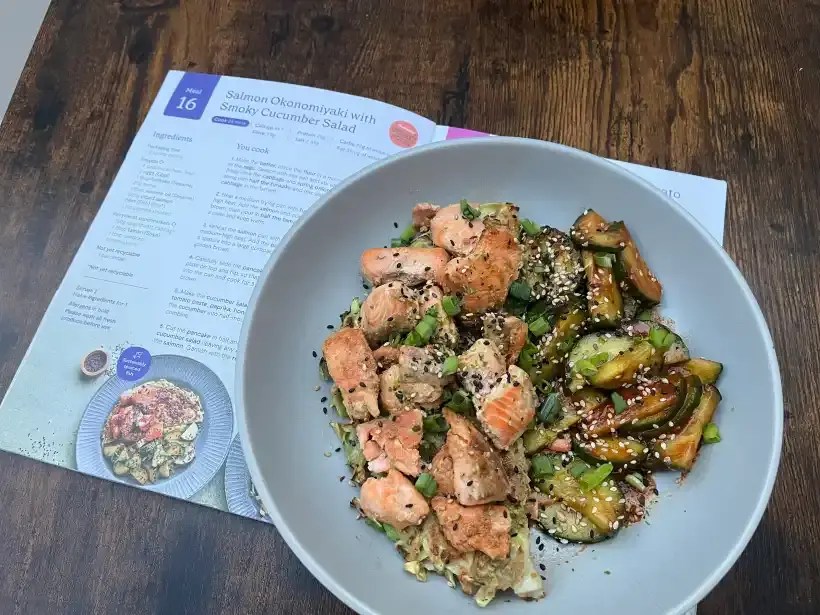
(723, 89)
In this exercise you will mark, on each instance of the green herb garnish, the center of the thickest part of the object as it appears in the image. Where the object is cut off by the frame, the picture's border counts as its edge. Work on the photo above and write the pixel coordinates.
(470, 213)
(618, 402)
(530, 227)
(594, 477)
(711, 434)
(426, 485)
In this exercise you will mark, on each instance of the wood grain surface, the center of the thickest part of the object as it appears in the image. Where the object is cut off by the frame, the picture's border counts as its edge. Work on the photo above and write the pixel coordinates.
(722, 88)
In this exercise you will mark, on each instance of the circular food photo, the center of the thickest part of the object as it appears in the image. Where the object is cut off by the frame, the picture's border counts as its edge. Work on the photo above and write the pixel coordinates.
(240, 492)
(168, 431)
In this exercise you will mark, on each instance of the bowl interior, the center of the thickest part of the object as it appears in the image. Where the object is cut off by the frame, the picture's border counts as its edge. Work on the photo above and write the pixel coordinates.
(697, 529)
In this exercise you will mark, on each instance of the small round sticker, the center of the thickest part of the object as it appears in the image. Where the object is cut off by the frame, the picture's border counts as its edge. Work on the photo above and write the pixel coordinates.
(403, 134)
(134, 363)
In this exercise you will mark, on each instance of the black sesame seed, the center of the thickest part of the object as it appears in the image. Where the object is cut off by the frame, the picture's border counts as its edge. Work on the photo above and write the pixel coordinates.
(542, 567)
(486, 342)
(324, 410)
(469, 483)
(408, 506)
(314, 354)
(398, 265)
(452, 243)
(339, 450)
(341, 478)
(504, 513)
(455, 527)
(395, 225)
(330, 326)
(351, 389)
(389, 319)
(540, 547)
(363, 385)
(427, 268)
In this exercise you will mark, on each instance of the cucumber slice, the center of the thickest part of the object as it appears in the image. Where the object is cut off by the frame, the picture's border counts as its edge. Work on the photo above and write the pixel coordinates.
(647, 413)
(558, 343)
(604, 302)
(614, 450)
(601, 505)
(594, 346)
(631, 269)
(592, 230)
(562, 522)
(691, 388)
(539, 437)
(621, 370)
(708, 371)
(679, 453)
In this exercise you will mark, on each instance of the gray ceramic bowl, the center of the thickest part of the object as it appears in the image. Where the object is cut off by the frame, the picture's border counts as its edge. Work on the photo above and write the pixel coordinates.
(697, 529)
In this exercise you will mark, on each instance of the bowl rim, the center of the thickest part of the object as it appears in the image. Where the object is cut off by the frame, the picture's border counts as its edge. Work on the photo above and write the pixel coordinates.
(307, 559)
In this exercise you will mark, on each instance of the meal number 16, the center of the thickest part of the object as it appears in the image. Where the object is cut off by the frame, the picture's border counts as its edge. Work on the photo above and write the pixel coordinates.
(189, 104)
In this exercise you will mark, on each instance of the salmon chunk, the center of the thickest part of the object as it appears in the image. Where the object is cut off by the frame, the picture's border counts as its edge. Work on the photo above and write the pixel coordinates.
(411, 266)
(442, 470)
(386, 356)
(474, 528)
(508, 332)
(353, 368)
(390, 395)
(388, 309)
(394, 500)
(392, 442)
(453, 232)
(509, 408)
(422, 214)
(420, 380)
(483, 277)
(478, 473)
(481, 367)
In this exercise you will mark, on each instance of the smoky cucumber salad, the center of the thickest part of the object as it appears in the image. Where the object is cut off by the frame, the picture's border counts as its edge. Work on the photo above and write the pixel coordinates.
(502, 382)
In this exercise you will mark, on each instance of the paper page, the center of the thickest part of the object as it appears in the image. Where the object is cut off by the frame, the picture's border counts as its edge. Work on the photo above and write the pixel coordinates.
(219, 170)
(703, 197)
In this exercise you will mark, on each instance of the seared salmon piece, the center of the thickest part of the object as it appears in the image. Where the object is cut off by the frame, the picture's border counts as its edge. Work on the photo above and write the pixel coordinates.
(420, 380)
(388, 309)
(453, 232)
(509, 408)
(474, 528)
(508, 332)
(483, 277)
(394, 500)
(481, 367)
(442, 470)
(411, 266)
(390, 390)
(386, 356)
(393, 442)
(353, 368)
(478, 473)
(517, 468)
(447, 332)
(422, 214)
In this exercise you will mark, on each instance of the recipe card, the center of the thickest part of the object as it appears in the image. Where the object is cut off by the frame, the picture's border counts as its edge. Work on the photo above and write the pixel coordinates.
(130, 374)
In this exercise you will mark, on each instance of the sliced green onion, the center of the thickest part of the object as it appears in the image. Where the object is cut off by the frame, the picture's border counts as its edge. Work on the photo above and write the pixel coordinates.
(460, 402)
(618, 402)
(526, 358)
(658, 337)
(645, 316)
(592, 478)
(422, 241)
(635, 480)
(450, 366)
(423, 331)
(469, 212)
(435, 423)
(432, 312)
(539, 327)
(520, 290)
(548, 411)
(577, 467)
(669, 340)
(392, 533)
(374, 524)
(355, 306)
(413, 339)
(604, 260)
(450, 305)
(396, 243)
(426, 485)
(585, 367)
(542, 466)
(599, 359)
(711, 434)
(530, 227)
(407, 234)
